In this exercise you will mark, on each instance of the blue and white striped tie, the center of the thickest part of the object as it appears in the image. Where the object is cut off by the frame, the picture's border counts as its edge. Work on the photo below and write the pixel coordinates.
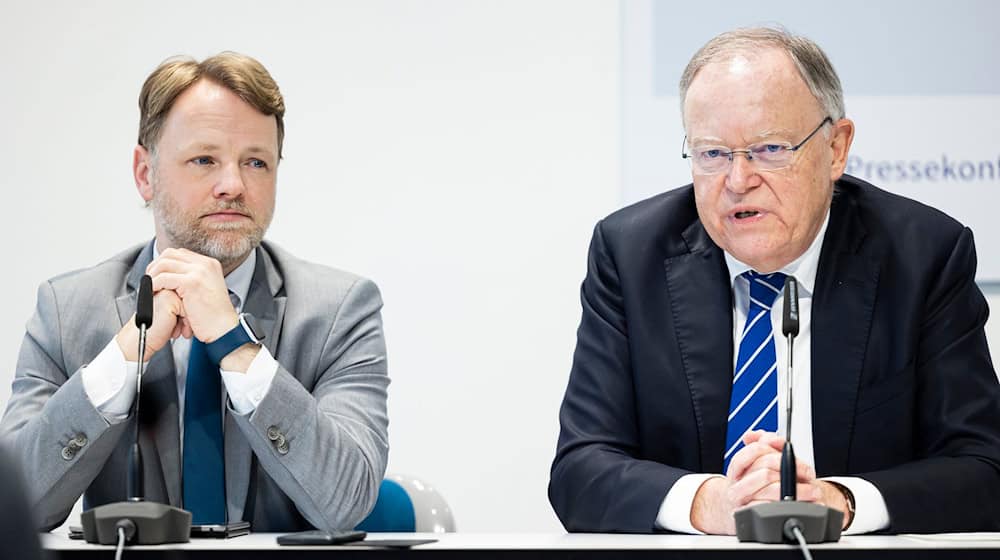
(754, 401)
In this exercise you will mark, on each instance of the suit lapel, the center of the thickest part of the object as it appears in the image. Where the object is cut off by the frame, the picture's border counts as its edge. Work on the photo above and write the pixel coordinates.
(158, 408)
(702, 312)
(266, 302)
(843, 304)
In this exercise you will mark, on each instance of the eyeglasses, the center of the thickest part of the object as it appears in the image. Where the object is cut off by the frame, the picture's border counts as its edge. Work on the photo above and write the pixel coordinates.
(767, 156)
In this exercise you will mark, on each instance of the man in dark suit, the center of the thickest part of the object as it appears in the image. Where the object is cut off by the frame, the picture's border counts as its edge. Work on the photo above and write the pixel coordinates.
(671, 417)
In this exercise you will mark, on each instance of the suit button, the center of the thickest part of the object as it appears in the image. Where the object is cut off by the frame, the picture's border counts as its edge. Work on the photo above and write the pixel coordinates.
(80, 440)
(68, 453)
(283, 448)
(273, 434)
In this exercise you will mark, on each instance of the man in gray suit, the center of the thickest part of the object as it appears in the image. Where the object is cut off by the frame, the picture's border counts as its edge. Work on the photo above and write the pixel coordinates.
(264, 393)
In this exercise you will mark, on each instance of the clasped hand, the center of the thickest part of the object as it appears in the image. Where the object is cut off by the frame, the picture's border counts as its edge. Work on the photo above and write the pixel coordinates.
(190, 298)
(754, 477)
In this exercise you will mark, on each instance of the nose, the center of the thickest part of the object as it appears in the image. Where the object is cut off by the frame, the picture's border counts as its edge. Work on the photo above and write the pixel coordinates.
(230, 184)
(742, 174)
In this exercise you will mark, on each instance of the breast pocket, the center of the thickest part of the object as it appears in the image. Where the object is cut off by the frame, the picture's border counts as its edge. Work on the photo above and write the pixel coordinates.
(886, 390)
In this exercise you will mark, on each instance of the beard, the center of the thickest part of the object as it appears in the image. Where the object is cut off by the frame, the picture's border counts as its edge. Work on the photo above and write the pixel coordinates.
(227, 242)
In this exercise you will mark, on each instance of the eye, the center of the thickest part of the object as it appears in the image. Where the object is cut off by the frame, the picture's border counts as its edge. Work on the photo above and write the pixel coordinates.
(201, 160)
(258, 163)
(768, 149)
(710, 153)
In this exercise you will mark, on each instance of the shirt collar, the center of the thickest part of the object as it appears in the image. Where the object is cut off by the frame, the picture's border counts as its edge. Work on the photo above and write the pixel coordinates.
(237, 281)
(803, 268)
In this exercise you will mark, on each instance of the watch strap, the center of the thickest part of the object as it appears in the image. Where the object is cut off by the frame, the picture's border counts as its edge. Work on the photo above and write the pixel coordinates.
(848, 499)
(225, 344)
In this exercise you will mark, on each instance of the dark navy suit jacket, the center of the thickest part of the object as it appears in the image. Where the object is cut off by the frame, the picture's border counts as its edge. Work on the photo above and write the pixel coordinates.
(904, 392)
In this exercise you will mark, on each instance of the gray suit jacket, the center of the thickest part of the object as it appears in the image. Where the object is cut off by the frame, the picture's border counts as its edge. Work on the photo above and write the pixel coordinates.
(328, 399)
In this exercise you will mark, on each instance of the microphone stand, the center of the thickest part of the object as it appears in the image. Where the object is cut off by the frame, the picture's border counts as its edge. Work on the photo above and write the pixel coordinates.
(789, 519)
(136, 521)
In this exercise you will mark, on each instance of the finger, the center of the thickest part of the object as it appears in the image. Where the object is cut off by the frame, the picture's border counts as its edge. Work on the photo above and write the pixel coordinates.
(181, 257)
(769, 438)
(767, 461)
(168, 299)
(764, 438)
(772, 439)
(804, 472)
(186, 331)
(181, 254)
(808, 492)
(181, 261)
(173, 281)
(752, 436)
(742, 461)
(804, 492)
(750, 487)
(166, 264)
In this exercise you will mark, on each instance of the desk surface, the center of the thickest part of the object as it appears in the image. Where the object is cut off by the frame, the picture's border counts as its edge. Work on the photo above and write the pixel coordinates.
(552, 546)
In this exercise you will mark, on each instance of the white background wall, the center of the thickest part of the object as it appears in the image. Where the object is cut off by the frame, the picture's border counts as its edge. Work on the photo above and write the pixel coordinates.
(457, 152)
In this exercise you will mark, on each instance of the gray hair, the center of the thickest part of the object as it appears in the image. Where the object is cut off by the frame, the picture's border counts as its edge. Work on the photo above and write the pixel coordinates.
(811, 62)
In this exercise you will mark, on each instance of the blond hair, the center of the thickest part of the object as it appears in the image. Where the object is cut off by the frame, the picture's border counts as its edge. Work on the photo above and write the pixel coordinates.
(241, 74)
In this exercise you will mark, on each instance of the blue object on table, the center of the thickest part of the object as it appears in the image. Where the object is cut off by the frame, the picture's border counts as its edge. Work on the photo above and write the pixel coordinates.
(393, 511)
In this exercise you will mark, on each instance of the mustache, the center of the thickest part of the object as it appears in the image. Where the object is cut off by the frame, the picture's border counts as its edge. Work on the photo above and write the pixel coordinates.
(230, 206)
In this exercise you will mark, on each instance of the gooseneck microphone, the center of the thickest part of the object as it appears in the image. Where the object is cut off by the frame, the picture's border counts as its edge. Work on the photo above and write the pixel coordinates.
(789, 520)
(136, 521)
(789, 329)
(143, 320)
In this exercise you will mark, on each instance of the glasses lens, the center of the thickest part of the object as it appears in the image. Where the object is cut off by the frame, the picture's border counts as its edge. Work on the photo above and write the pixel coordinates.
(709, 159)
(771, 156)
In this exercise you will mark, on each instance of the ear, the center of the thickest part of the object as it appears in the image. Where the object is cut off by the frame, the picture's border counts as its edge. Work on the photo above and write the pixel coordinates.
(142, 170)
(840, 142)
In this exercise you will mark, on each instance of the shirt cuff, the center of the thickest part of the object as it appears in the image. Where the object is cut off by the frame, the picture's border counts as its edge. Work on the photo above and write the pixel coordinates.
(675, 511)
(870, 513)
(109, 382)
(247, 390)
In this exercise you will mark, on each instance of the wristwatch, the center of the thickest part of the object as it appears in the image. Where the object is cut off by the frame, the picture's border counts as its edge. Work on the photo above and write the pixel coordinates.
(849, 500)
(245, 331)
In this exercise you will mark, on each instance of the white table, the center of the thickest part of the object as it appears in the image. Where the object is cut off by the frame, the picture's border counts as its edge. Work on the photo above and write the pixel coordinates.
(551, 546)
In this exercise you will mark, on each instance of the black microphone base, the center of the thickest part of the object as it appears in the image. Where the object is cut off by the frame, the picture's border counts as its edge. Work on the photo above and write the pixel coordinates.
(154, 523)
(766, 523)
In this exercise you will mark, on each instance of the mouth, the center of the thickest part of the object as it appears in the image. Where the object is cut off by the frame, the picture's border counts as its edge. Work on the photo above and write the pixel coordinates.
(226, 214)
(746, 214)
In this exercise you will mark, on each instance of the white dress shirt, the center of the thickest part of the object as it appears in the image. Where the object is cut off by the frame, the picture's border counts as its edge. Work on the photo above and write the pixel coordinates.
(870, 511)
(109, 380)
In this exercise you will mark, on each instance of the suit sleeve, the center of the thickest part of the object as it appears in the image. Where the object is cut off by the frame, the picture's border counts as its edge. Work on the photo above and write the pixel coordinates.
(954, 483)
(327, 449)
(58, 435)
(599, 482)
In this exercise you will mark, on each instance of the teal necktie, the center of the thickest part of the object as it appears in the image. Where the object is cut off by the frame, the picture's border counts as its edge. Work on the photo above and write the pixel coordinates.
(204, 477)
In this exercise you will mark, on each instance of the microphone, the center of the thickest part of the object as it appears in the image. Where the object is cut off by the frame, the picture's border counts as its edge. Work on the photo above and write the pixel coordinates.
(790, 315)
(789, 329)
(789, 520)
(135, 520)
(144, 304)
(143, 320)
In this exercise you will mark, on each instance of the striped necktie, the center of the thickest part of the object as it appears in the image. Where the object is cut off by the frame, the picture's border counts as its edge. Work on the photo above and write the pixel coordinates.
(754, 401)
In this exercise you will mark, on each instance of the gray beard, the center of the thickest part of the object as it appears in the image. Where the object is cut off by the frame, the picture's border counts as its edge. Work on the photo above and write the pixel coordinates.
(227, 243)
